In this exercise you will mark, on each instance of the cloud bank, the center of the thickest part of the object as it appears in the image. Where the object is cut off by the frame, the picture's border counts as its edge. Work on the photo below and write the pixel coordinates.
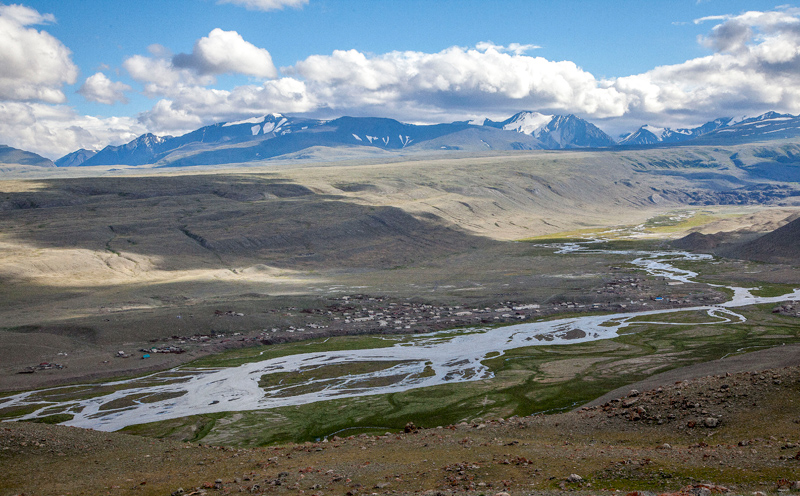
(753, 66)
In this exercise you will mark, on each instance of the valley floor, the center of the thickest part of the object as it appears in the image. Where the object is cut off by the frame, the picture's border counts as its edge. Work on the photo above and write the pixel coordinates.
(221, 265)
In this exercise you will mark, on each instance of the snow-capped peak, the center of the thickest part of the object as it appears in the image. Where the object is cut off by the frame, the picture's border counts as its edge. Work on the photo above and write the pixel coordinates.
(658, 132)
(480, 121)
(528, 122)
(148, 140)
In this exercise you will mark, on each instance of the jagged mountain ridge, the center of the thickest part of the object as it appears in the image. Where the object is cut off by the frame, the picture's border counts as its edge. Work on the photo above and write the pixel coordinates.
(275, 135)
(651, 135)
(770, 125)
(726, 130)
(385, 134)
(556, 131)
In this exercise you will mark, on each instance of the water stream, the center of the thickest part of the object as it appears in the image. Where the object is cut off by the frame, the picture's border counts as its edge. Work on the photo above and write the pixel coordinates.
(414, 362)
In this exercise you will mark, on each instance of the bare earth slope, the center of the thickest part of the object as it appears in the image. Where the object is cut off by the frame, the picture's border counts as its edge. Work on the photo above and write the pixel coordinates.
(779, 246)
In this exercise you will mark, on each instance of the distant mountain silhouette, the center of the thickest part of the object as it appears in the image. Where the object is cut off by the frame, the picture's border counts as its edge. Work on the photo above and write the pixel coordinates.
(10, 155)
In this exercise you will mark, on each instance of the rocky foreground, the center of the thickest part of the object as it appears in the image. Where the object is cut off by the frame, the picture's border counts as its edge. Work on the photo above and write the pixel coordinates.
(732, 433)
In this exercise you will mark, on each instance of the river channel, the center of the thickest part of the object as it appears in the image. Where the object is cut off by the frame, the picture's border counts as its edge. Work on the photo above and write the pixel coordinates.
(413, 362)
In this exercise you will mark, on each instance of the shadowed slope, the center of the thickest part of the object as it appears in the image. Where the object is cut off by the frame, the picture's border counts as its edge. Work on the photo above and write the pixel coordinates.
(780, 246)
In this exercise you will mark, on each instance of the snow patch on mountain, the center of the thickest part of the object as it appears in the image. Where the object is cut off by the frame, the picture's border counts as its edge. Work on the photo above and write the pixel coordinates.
(658, 132)
(252, 120)
(528, 123)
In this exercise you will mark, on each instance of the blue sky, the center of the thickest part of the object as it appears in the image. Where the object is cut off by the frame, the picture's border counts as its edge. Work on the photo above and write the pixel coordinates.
(94, 72)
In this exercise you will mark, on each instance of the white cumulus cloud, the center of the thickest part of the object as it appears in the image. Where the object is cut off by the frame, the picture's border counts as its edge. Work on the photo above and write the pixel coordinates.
(33, 64)
(755, 67)
(193, 107)
(218, 53)
(266, 5)
(160, 77)
(485, 78)
(55, 130)
(98, 88)
(227, 52)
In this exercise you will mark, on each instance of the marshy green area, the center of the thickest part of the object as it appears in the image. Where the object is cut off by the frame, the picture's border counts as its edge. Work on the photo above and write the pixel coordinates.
(526, 381)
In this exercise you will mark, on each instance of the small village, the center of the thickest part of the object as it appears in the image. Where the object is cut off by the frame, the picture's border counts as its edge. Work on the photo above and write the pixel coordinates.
(360, 314)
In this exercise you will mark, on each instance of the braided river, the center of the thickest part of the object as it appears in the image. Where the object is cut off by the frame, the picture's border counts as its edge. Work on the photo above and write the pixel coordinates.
(412, 362)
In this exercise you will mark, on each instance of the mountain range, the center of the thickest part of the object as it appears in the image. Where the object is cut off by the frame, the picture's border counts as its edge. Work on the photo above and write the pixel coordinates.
(275, 135)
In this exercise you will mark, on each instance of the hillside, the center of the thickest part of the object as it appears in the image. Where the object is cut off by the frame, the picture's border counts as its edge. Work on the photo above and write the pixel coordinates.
(14, 156)
(779, 246)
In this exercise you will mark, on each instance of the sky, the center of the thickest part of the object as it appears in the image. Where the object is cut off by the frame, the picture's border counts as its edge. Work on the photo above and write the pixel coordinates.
(89, 73)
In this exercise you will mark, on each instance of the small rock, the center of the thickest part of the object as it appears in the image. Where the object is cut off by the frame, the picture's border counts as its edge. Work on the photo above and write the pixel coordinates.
(629, 402)
(633, 393)
(665, 446)
(502, 494)
(711, 422)
(574, 478)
